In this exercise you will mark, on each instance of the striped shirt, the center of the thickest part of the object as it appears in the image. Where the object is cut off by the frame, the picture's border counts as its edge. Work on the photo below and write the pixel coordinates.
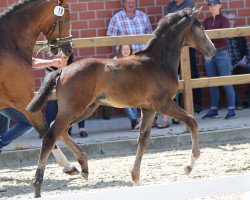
(121, 24)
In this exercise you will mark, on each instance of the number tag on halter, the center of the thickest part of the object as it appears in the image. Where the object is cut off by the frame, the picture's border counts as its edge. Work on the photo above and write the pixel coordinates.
(59, 11)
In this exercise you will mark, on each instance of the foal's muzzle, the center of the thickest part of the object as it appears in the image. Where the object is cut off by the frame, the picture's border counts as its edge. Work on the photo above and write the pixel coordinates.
(66, 49)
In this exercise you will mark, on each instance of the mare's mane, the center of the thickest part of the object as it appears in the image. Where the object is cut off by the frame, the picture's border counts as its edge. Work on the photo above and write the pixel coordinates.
(169, 23)
(15, 7)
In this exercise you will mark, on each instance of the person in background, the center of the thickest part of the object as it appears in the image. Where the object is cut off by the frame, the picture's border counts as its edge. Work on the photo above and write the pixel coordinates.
(21, 125)
(51, 108)
(220, 64)
(132, 113)
(130, 21)
(4, 124)
(240, 57)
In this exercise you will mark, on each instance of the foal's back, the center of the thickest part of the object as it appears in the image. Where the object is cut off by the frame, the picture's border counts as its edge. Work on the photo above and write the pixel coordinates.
(120, 82)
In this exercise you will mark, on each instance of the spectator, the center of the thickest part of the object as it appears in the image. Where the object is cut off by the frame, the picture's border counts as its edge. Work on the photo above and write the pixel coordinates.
(239, 54)
(220, 64)
(51, 107)
(132, 113)
(130, 22)
(22, 125)
(4, 124)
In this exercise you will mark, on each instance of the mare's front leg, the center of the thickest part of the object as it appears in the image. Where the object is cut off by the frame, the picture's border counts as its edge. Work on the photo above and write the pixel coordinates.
(171, 109)
(143, 142)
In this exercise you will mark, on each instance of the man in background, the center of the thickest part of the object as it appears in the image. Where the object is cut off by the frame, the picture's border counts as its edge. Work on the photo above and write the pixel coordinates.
(240, 58)
(130, 21)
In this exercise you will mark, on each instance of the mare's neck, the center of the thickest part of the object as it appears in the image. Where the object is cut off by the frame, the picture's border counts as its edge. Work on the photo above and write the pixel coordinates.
(21, 28)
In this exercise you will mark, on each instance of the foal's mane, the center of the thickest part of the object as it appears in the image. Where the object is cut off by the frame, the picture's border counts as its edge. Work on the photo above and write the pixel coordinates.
(169, 23)
(15, 7)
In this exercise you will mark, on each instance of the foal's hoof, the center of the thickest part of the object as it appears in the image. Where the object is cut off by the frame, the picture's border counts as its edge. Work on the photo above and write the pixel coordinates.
(71, 171)
(188, 170)
(138, 183)
(84, 175)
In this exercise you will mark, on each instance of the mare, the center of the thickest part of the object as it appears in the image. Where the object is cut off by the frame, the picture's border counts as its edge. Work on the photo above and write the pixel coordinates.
(148, 79)
(20, 26)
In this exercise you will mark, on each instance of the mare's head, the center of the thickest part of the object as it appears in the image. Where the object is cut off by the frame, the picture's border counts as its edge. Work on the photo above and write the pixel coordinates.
(195, 35)
(59, 35)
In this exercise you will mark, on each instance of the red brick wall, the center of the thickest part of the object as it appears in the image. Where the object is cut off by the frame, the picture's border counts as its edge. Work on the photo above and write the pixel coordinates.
(90, 18)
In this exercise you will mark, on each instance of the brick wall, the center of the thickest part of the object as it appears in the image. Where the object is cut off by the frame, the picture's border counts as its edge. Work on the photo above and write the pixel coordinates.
(90, 18)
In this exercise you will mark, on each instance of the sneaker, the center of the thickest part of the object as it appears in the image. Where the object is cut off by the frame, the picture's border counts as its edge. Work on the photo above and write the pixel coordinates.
(138, 126)
(174, 121)
(134, 123)
(83, 134)
(231, 114)
(211, 114)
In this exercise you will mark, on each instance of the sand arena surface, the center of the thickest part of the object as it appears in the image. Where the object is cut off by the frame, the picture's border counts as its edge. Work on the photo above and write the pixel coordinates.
(107, 172)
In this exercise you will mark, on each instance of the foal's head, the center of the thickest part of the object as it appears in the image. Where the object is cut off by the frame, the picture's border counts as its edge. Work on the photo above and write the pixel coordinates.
(59, 35)
(196, 37)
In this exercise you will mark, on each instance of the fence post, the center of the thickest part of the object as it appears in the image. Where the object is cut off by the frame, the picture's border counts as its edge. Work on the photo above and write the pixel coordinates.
(186, 77)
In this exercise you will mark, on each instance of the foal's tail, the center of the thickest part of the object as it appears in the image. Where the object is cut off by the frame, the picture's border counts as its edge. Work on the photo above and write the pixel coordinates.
(43, 93)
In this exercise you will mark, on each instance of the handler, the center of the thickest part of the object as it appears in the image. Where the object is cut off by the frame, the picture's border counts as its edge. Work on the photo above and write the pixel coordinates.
(22, 125)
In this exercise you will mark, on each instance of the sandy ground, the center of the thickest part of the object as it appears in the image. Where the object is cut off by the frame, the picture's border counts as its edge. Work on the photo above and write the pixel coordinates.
(108, 172)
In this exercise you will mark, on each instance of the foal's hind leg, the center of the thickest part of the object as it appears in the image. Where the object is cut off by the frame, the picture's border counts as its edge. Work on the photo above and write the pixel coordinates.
(82, 158)
(173, 110)
(143, 142)
(79, 154)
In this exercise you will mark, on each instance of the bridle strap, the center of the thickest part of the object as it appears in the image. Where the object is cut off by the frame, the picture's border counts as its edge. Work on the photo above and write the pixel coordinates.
(59, 39)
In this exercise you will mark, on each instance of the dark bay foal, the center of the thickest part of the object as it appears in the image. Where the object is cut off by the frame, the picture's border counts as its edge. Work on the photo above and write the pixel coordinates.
(148, 79)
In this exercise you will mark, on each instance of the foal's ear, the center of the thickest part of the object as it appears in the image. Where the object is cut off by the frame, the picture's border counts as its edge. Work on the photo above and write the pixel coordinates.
(195, 12)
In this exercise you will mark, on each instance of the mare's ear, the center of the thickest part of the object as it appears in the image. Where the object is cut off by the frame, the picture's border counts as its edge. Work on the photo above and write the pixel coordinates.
(62, 1)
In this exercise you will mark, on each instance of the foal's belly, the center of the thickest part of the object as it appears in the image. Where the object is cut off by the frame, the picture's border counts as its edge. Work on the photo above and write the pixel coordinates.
(124, 104)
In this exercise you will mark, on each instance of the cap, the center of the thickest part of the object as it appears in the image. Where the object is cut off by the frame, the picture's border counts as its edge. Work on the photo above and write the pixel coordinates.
(213, 2)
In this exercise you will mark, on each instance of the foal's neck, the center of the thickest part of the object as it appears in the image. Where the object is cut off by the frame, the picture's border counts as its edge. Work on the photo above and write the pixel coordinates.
(168, 52)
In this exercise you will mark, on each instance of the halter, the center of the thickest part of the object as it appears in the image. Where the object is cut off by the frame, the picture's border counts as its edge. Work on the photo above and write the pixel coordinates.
(59, 12)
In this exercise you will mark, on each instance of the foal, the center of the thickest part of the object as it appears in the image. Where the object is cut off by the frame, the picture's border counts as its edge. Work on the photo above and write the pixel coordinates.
(148, 79)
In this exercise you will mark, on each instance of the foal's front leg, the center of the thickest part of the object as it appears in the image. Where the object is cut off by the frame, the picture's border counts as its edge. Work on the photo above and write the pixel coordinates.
(143, 142)
(174, 111)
